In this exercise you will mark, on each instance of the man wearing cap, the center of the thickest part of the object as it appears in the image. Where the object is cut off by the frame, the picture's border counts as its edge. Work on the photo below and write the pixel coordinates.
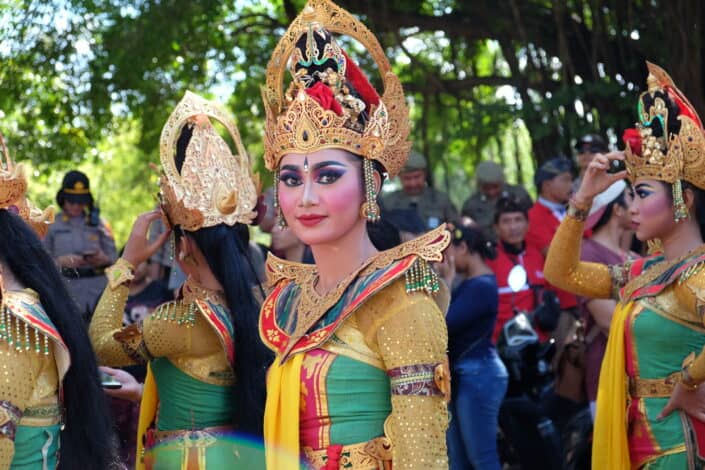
(585, 150)
(481, 206)
(80, 242)
(433, 206)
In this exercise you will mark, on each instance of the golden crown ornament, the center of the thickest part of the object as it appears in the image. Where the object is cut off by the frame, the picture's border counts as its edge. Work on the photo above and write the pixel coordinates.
(214, 186)
(13, 189)
(298, 122)
(668, 142)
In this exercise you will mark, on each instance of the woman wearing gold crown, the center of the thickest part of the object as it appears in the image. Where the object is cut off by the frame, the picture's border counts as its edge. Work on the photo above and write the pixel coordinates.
(51, 402)
(360, 378)
(649, 409)
(206, 365)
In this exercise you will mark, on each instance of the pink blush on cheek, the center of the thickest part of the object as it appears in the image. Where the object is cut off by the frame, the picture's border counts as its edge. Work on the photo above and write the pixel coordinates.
(288, 198)
(655, 206)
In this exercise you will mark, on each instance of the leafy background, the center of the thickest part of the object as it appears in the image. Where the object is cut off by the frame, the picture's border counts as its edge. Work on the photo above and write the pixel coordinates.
(90, 83)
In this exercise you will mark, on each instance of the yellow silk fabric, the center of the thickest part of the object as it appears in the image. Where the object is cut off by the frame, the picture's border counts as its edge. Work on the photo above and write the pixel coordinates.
(610, 448)
(281, 414)
(148, 410)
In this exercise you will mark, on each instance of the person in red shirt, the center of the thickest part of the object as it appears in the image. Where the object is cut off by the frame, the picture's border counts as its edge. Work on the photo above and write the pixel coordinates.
(554, 184)
(511, 226)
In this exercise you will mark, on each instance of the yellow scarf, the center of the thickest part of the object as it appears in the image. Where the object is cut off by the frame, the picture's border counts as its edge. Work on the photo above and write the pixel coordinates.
(281, 414)
(148, 410)
(610, 448)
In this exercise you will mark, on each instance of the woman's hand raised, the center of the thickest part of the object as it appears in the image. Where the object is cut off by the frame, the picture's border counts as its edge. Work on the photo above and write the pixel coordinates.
(597, 179)
(138, 248)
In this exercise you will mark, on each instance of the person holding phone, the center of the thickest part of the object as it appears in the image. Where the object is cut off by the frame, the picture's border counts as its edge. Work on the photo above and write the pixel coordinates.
(649, 401)
(80, 242)
(51, 402)
(205, 363)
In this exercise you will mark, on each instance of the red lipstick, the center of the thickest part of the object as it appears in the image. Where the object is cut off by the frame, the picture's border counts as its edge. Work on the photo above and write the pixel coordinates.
(310, 220)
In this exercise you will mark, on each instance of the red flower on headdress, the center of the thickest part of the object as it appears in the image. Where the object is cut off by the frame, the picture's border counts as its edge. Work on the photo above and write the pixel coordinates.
(632, 138)
(359, 81)
(324, 96)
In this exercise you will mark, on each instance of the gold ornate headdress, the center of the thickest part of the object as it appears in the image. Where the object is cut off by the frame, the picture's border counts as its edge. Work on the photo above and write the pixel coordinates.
(668, 143)
(329, 102)
(214, 186)
(13, 188)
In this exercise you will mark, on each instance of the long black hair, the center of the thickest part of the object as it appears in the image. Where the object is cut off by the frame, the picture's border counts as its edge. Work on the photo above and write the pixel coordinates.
(86, 441)
(227, 254)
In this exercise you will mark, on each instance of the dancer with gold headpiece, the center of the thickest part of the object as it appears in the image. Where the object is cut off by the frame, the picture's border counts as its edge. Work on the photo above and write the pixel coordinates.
(206, 365)
(649, 410)
(51, 402)
(360, 378)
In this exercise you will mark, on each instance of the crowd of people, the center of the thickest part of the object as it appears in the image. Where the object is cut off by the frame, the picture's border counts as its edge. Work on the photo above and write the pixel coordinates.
(336, 345)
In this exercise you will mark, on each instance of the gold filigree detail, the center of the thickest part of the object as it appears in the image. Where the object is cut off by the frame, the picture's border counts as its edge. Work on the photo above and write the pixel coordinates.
(312, 305)
(674, 156)
(13, 188)
(656, 270)
(296, 123)
(214, 186)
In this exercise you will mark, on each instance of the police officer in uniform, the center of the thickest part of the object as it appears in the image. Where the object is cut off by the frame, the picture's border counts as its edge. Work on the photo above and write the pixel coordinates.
(432, 205)
(80, 242)
(491, 186)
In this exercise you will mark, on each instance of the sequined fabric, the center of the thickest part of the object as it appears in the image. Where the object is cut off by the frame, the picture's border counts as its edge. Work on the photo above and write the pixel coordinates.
(176, 330)
(414, 333)
(29, 379)
(564, 269)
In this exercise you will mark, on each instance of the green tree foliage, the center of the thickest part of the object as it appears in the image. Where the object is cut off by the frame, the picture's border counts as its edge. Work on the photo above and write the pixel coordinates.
(509, 80)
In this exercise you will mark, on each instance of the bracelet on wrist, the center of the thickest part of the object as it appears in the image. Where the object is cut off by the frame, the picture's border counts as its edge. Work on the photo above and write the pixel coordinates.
(686, 380)
(577, 211)
(119, 273)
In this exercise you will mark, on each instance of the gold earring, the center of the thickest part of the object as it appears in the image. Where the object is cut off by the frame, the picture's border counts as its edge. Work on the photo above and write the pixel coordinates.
(370, 209)
(281, 221)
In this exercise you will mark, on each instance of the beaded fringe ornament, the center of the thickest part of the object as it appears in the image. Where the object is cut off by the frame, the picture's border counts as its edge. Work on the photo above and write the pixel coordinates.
(421, 277)
(168, 312)
(20, 335)
(680, 209)
(281, 221)
(370, 209)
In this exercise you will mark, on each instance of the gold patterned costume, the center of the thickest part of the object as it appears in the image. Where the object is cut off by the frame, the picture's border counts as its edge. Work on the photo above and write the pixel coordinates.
(657, 334)
(189, 343)
(34, 357)
(360, 378)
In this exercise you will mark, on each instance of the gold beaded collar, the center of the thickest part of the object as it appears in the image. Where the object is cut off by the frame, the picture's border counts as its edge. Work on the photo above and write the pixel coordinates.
(191, 291)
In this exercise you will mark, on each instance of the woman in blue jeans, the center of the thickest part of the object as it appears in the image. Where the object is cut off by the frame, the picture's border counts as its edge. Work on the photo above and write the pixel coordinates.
(479, 377)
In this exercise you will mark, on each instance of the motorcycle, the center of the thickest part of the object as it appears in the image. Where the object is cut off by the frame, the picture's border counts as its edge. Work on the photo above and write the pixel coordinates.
(538, 430)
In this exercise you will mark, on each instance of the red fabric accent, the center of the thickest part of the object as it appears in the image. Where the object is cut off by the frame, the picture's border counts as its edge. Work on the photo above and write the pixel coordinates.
(333, 452)
(324, 96)
(699, 430)
(281, 338)
(684, 105)
(359, 81)
(532, 260)
(542, 227)
(632, 138)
